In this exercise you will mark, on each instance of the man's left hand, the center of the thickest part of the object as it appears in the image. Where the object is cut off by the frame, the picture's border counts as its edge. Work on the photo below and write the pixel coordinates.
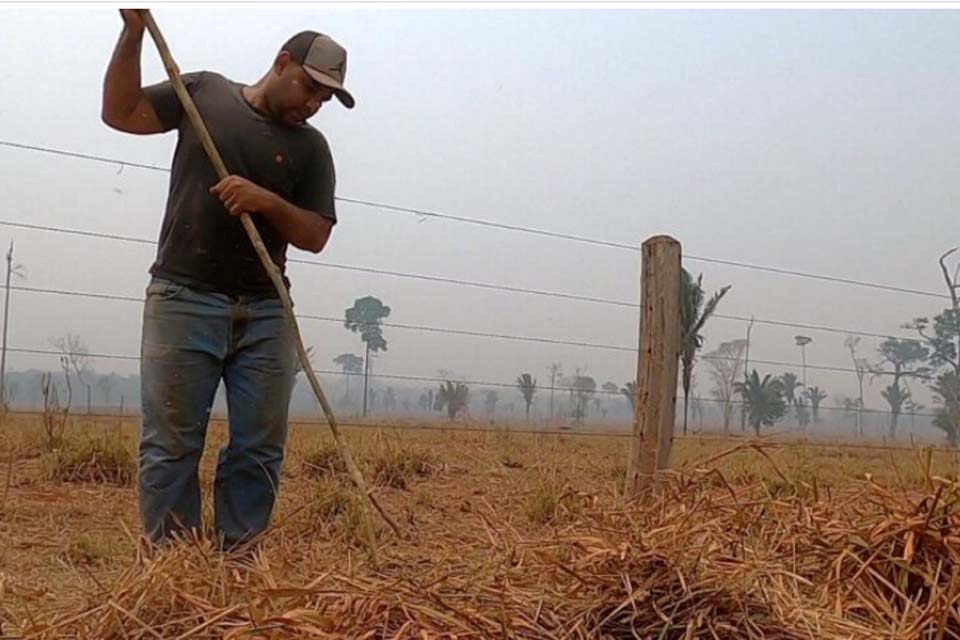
(239, 195)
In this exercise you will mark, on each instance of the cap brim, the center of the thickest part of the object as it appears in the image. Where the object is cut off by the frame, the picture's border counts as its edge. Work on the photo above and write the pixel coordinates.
(342, 94)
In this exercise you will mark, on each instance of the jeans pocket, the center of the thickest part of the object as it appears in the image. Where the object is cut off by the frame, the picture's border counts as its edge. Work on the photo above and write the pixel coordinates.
(163, 289)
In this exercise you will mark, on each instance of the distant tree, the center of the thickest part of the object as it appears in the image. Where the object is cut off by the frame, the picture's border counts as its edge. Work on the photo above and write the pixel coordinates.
(790, 384)
(726, 370)
(763, 400)
(850, 406)
(527, 386)
(815, 395)
(803, 414)
(350, 364)
(947, 415)
(106, 384)
(490, 401)
(900, 360)
(895, 396)
(697, 404)
(425, 403)
(454, 396)
(366, 318)
(76, 358)
(389, 400)
(912, 408)
(629, 391)
(556, 372)
(861, 367)
(609, 389)
(694, 314)
(10, 393)
(584, 387)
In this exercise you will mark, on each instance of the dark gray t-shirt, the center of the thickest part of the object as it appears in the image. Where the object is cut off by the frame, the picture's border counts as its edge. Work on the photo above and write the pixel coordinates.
(201, 244)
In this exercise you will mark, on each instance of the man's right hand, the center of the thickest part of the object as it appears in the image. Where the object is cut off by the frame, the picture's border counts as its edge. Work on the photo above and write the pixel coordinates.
(132, 21)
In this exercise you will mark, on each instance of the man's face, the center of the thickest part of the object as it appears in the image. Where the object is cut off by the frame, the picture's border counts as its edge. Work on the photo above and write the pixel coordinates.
(294, 97)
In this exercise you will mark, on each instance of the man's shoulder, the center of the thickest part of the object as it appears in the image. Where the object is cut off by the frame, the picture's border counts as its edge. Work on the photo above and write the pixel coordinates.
(208, 80)
(315, 138)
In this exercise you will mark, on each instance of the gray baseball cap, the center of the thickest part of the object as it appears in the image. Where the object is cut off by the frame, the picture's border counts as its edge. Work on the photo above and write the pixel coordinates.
(323, 59)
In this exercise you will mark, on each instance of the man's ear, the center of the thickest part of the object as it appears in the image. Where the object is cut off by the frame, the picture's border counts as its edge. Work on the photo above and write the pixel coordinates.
(281, 62)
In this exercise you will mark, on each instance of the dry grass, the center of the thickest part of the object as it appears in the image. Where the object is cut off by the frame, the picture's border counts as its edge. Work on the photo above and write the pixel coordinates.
(511, 536)
(108, 459)
(396, 465)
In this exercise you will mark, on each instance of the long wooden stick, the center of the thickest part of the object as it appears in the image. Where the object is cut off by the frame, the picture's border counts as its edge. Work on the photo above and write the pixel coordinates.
(197, 121)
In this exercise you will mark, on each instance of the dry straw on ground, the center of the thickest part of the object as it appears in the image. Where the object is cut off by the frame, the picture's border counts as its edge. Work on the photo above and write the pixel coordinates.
(720, 549)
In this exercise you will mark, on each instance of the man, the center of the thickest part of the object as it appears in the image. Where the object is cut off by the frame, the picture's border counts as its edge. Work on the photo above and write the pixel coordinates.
(211, 311)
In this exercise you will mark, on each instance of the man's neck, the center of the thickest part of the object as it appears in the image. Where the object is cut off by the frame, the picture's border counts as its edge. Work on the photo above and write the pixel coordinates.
(254, 95)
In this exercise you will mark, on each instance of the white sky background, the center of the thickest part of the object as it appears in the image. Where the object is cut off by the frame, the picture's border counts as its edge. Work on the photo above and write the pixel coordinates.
(823, 141)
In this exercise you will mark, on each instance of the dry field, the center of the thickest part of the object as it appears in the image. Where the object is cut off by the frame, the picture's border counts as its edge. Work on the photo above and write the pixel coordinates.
(505, 535)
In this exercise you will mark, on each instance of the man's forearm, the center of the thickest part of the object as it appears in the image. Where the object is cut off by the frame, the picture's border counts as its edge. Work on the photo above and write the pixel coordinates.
(122, 85)
(303, 229)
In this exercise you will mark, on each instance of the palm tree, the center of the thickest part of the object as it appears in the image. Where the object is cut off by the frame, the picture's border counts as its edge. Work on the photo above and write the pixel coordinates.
(802, 342)
(896, 396)
(366, 318)
(527, 385)
(629, 391)
(349, 364)
(815, 395)
(762, 399)
(790, 384)
(454, 396)
(693, 316)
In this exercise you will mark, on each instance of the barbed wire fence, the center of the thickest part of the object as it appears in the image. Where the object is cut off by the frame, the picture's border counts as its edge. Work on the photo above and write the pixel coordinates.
(387, 208)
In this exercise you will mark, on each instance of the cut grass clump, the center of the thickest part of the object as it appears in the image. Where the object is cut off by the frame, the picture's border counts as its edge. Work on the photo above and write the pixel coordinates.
(106, 460)
(396, 466)
(543, 505)
(89, 549)
(323, 460)
(360, 526)
(331, 501)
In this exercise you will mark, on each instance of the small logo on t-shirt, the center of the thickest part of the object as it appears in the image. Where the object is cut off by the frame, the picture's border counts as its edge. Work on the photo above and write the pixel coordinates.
(278, 158)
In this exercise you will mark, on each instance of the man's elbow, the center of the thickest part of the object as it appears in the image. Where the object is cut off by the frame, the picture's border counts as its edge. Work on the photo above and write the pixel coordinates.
(116, 120)
(317, 241)
(109, 118)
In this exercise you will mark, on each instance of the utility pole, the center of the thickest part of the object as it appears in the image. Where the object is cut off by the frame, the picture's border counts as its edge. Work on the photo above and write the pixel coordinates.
(12, 270)
(746, 375)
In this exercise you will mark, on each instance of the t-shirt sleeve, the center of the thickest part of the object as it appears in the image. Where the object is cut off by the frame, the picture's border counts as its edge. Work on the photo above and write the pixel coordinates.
(315, 191)
(165, 101)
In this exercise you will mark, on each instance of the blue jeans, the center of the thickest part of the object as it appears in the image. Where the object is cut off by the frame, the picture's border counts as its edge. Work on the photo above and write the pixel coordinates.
(191, 340)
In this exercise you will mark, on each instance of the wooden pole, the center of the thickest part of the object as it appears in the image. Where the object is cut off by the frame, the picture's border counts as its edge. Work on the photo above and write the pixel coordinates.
(657, 362)
(197, 121)
(6, 324)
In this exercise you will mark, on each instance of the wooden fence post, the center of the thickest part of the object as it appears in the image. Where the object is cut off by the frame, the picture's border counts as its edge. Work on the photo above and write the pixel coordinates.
(657, 362)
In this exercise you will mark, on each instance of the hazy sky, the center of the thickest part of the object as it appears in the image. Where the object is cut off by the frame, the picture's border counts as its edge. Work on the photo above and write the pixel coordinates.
(822, 141)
